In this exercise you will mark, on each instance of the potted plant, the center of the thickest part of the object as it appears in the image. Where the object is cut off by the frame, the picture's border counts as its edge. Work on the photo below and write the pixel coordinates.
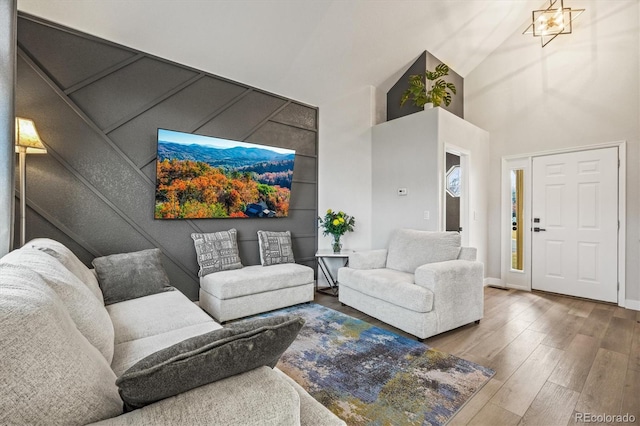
(439, 92)
(336, 224)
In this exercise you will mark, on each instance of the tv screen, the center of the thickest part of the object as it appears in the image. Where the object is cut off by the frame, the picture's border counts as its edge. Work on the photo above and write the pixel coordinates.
(202, 177)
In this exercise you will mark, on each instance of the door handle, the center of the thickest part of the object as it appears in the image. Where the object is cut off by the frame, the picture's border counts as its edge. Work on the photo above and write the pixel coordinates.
(536, 229)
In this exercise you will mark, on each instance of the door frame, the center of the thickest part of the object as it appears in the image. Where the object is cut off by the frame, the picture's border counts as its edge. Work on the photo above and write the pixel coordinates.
(465, 171)
(505, 222)
(520, 280)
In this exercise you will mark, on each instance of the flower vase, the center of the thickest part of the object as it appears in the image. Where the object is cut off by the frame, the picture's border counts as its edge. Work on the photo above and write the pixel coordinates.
(337, 245)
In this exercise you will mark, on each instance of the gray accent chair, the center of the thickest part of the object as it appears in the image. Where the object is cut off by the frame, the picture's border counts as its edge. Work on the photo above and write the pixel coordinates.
(424, 283)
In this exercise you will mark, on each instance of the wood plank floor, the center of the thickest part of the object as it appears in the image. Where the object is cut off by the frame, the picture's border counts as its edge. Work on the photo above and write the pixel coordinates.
(554, 357)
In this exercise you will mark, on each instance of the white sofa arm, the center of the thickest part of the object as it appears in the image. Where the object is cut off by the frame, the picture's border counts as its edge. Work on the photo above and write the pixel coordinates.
(257, 397)
(468, 253)
(458, 290)
(369, 259)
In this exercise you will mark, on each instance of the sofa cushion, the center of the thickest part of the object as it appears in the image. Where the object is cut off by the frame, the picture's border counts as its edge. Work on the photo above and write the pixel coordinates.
(275, 247)
(410, 248)
(125, 276)
(86, 311)
(152, 315)
(207, 358)
(51, 374)
(70, 261)
(217, 251)
(128, 353)
(255, 279)
(259, 397)
(389, 285)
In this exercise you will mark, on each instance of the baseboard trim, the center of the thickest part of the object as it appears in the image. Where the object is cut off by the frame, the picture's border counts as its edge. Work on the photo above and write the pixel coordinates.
(518, 287)
(496, 282)
(632, 304)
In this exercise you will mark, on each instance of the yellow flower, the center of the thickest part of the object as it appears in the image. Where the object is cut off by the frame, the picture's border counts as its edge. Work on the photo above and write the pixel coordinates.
(341, 219)
(336, 222)
(329, 211)
(341, 213)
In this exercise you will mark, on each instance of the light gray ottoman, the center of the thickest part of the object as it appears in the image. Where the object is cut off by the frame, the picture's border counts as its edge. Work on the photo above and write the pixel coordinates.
(238, 293)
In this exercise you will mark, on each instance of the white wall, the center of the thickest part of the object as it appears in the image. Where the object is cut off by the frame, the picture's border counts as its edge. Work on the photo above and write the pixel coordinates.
(475, 141)
(581, 89)
(409, 152)
(344, 174)
(405, 155)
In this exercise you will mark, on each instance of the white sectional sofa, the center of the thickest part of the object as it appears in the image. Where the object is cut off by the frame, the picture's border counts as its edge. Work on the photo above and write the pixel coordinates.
(61, 351)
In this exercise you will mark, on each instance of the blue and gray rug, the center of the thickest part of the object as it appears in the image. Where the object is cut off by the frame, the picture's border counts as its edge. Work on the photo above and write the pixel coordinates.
(370, 376)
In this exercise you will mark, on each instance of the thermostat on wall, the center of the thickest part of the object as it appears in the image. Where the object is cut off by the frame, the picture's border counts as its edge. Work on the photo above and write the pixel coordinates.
(402, 191)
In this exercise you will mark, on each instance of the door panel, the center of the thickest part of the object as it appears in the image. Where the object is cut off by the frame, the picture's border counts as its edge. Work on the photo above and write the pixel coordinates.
(575, 199)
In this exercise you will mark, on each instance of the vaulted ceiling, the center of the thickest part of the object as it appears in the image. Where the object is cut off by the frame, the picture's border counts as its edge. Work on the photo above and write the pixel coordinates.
(310, 50)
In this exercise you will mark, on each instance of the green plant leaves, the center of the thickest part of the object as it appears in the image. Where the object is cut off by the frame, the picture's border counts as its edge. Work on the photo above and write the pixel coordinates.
(440, 89)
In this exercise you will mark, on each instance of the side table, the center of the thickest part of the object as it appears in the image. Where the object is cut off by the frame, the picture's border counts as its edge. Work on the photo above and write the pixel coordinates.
(324, 254)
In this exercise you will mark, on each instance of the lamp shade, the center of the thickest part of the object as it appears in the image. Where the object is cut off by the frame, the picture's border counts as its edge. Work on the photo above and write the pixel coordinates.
(27, 137)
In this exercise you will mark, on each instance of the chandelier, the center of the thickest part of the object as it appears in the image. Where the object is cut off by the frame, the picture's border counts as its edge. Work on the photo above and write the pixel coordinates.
(551, 22)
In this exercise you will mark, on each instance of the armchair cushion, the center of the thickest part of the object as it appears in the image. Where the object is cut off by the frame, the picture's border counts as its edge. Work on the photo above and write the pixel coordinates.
(369, 259)
(410, 248)
(391, 286)
(207, 358)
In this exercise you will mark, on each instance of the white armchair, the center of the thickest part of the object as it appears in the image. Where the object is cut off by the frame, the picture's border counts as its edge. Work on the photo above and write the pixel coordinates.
(424, 283)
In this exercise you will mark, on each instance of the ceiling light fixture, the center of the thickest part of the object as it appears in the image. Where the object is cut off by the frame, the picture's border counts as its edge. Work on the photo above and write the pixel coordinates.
(551, 22)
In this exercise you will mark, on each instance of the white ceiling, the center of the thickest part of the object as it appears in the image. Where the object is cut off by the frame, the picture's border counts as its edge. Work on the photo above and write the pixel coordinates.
(310, 50)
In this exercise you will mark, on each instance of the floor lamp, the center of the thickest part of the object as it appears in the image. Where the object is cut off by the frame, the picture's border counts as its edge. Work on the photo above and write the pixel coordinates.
(27, 142)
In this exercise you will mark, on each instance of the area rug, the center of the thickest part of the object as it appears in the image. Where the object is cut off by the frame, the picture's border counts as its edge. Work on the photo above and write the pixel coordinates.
(370, 376)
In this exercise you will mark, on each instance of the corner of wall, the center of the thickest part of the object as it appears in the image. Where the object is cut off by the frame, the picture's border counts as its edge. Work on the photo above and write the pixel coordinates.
(344, 170)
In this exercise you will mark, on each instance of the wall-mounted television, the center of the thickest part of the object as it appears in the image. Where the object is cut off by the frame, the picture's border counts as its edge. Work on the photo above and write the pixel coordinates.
(203, 177)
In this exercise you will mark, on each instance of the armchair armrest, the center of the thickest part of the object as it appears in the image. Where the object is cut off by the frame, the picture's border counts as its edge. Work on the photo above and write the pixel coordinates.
(468, 253)
(369, 259)
(256, 397)
(458, 290)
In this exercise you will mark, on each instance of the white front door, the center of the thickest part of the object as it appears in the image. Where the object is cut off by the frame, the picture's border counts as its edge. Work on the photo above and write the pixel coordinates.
(575, 224)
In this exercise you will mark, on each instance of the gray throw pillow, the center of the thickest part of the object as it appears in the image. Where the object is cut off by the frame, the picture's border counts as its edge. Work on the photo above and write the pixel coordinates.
(275, 247)
(127, 276)
(207, 358)
(217, 251)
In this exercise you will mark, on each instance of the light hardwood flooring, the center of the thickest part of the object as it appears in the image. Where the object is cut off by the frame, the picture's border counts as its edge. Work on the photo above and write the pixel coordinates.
(554, 357)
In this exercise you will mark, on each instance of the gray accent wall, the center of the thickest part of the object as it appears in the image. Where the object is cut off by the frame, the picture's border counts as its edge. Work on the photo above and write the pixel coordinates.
(394, 95)
(98, 105)
(7, 121)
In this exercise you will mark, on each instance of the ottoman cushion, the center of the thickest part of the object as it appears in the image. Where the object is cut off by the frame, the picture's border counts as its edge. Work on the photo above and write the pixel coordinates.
(255, 279)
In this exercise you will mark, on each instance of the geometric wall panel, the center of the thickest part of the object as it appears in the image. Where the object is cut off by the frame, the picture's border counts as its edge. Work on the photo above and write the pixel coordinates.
(68, 58)
(97, 106)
